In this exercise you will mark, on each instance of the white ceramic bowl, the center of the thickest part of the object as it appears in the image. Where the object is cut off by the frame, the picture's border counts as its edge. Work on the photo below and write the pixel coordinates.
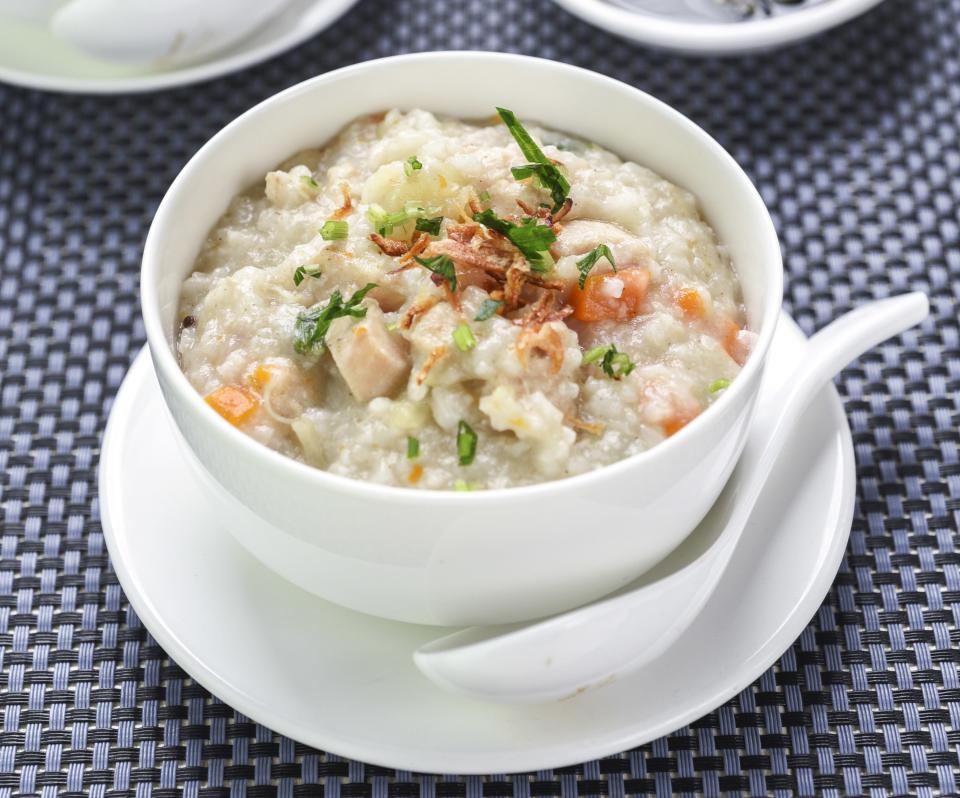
(444, 557)
(716, 38)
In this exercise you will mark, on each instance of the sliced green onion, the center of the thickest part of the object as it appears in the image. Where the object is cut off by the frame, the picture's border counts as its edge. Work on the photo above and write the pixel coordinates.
(462, 486)
(301, 273)
(484, 196)
(309, 183)
(463, 337)
(431, 226)
(718, 385)
(488, 309)
(588, 261)
(466, 443)
(411, 165)
(334, 230)
(613, 363)
(443, 266)
(385, 222)
(413, 448)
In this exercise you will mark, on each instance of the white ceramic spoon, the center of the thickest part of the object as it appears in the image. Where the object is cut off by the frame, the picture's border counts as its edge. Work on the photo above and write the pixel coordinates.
(565, 654)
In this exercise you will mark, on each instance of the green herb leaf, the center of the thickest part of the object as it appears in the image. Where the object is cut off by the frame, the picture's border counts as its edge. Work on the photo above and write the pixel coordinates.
(488, 309)
(613, 363)
(301, 273)
(532, 239)
(463, 337)
(431, 226)
(413, 448)
(586, 263)
(411, 165)
(334, 230)
(311, 327)
(466, 443)
(547, 172)
(718, 385)
(443, 266)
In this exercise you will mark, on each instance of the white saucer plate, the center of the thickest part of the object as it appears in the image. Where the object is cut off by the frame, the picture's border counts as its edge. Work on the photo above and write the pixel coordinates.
(33, 57)
(345, 682)
(682, 31)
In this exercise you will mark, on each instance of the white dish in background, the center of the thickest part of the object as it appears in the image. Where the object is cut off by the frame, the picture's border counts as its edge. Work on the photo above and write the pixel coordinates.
(31, 56)
(687, 33)
(346, 683)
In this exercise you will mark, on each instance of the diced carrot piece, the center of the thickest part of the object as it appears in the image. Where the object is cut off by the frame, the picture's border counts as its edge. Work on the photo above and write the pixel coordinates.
(596, 302)
(415, 474)
(261, 376)
(674, 424)
(234, 402)
(731, 342)
(691, 303)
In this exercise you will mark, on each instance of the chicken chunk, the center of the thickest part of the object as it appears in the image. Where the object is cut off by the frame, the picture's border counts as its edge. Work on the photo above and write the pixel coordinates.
(372, 360)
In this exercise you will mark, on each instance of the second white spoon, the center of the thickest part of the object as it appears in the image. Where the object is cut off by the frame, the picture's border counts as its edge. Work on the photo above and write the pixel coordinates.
(559, 656)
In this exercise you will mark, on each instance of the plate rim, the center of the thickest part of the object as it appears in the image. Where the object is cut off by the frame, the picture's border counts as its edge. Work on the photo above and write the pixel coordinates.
(716, 38)
(467, 763)
(235, 59)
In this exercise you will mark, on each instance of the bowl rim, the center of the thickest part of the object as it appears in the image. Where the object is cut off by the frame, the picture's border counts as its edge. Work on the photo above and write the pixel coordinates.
(722, 38)
(166, 362)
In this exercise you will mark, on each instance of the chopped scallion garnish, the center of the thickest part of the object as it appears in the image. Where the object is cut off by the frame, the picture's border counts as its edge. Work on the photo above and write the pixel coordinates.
(484, 196)
(431, 226)
(443, 266)
(466, 443)
(718, 385)
(488, 309)
(311, 326)
(462, 486)
(334, 230)
(463, 337)
(309, 183)
(385, 222)
(588, 261)
(613, 363)
(302, 273)
(411, 165)
(547, 172)
(413, 448)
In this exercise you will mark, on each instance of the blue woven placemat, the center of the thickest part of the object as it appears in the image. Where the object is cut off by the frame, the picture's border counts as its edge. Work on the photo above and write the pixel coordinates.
(853, 140)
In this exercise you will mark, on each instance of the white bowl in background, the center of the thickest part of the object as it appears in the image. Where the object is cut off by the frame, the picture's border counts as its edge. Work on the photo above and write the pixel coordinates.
(443, 557)
(699, 37)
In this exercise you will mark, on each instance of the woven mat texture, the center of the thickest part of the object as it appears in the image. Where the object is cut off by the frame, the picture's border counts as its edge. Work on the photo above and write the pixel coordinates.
(853, 140)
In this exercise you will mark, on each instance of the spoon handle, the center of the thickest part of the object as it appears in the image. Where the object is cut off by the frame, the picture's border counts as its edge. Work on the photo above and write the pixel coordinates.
(826, 354)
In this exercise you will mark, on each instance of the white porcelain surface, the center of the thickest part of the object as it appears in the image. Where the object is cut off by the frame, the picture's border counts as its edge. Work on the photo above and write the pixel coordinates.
(32, 56)
(345, 682)
(686, 34)
(442, 557)
(545, 660)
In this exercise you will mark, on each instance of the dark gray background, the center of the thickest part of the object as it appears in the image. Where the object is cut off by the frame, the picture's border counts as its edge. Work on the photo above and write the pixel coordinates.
(853, 140)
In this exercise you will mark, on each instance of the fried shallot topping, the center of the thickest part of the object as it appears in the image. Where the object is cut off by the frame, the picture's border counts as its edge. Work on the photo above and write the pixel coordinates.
(587, 426)
(433, 358)
(347, 207)
(390, 246)
(545, 342)
(543, 310)
(416, 310)
(420, 243)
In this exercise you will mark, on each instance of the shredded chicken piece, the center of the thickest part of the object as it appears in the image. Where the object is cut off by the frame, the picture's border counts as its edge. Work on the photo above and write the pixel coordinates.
(433, 358)
(347, 207)
(390, 246)
(416, 310)
(586, 426)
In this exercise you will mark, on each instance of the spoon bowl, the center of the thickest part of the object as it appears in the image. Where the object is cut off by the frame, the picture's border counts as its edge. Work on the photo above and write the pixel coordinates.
(556, 658)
